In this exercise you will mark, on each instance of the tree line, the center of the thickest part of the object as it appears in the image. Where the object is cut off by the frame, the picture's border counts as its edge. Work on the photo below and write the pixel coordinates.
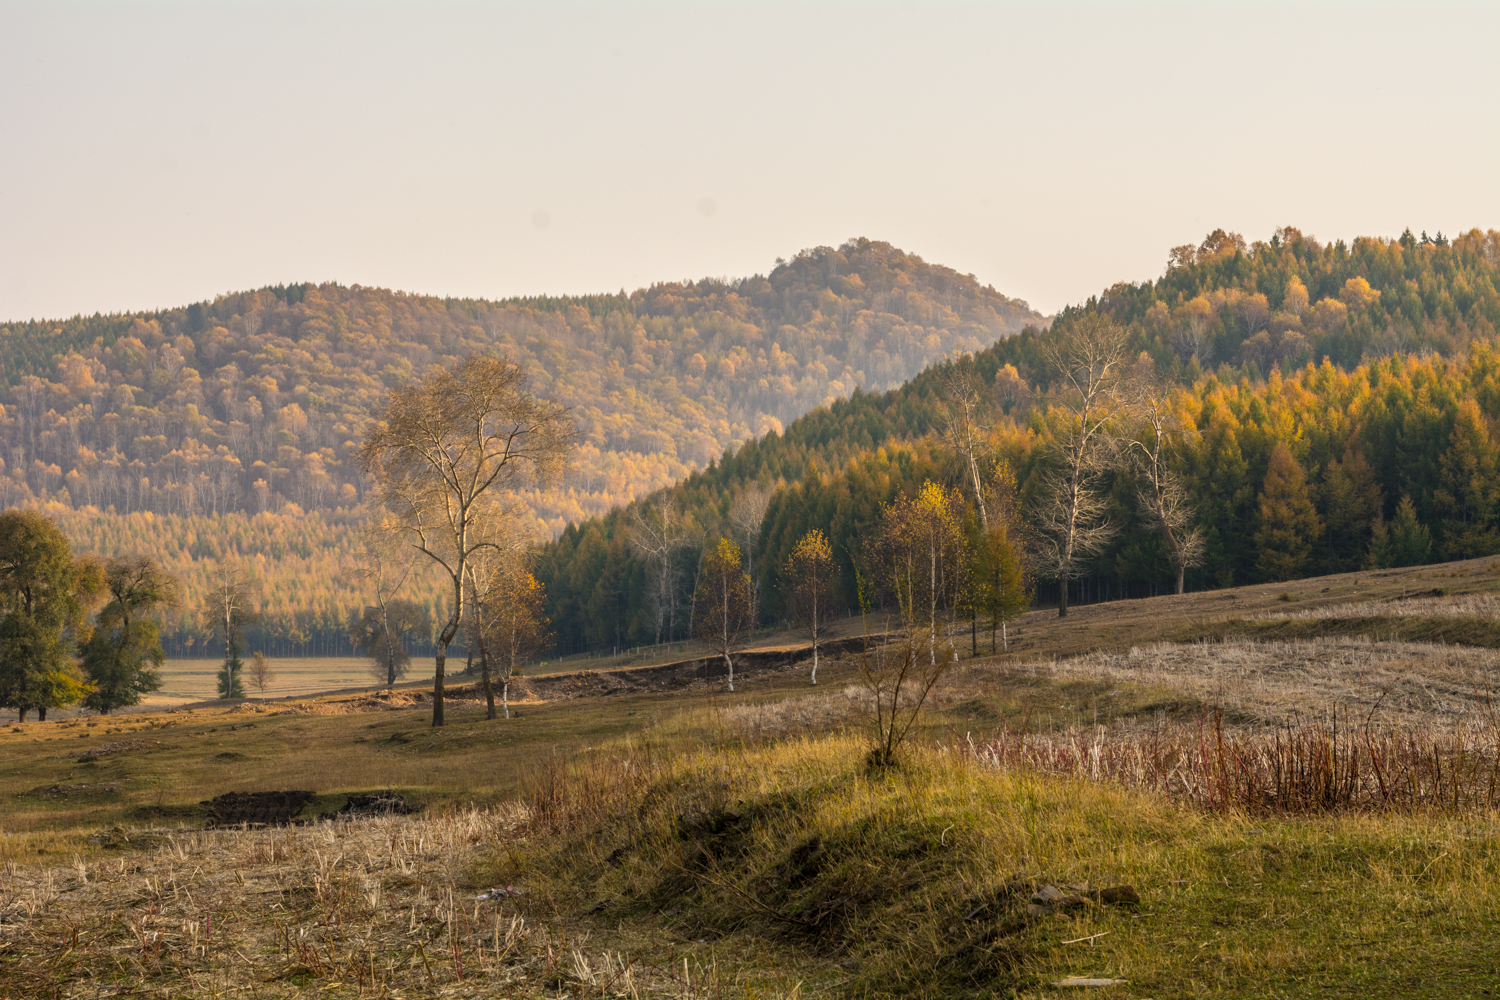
(1395, 445)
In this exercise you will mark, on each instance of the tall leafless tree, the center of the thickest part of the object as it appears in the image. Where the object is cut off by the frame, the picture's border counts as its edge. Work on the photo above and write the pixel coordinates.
(963, 391)
(446, 461)
(1087, 365)
(656, 532)
(1162, 496)
(383, 626)
(747, 512)
(231, 603)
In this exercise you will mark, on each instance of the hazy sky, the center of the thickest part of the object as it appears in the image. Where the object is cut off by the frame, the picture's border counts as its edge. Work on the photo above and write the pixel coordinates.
(157, 154)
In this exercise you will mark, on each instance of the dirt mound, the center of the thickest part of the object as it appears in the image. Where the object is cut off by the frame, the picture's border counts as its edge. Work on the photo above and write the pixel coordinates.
(377, 804)
(264, 808)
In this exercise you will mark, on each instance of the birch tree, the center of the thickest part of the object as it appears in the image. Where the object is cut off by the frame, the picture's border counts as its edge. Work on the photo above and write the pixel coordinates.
(447, 461)
(747, 512)
(508, 624)
(383, 627)
(1087, 366)
(963, 391)
(656, 532)
(1162, 496)
(1002, 587)
(809, 575)
(232, 602)
(926, 559)
(724, 606)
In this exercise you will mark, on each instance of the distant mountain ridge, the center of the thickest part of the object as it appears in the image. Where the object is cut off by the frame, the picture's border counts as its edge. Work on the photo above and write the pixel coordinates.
(257, 399)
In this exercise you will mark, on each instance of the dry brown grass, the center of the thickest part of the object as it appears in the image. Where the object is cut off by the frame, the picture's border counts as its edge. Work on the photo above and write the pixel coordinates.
(1481, 605)
(388, 907)
(368, 908)
(1274, 683)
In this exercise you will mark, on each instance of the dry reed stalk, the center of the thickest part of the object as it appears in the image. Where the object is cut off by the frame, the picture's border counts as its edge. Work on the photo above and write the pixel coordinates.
(1331, 765)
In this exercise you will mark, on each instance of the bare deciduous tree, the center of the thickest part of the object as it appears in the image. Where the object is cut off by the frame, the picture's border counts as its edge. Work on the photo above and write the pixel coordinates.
(898, 679)
(1162, 496)
(809, 575)
(964, 391)
(261, 674)
(446, 461)
(656, 532)
(508, 623)
(1087, 369)
(725, 605)
(383, 630)
(747, 512)
(231, 603)
(383, 627)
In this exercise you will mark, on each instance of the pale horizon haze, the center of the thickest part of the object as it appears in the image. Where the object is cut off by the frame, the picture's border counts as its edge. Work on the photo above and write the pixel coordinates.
(157, 154)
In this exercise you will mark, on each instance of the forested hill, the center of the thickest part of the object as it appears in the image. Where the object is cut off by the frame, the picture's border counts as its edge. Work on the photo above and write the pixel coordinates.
(1242, 328)
(256, 400)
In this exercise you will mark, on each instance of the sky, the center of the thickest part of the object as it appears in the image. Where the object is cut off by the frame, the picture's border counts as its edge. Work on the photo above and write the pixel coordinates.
(156, 154)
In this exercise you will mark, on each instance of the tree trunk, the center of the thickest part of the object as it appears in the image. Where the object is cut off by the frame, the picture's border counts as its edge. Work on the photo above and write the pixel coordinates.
(489, 689)
(932, 606)
(505, 696)
(1062, 604)
(815, 662)
(21, 714)
(729, 665)
(41, 713)
(437, 682)
(1181, 572)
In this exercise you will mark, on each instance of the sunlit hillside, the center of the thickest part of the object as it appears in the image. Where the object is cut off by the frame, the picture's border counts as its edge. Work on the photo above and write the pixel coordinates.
(256, 400)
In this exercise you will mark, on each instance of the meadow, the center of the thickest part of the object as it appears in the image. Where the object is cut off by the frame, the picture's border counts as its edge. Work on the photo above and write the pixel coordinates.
(1159, 793)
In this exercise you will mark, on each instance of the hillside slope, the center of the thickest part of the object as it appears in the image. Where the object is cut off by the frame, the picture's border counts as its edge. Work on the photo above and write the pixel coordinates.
(257, 399)
(1403, 405)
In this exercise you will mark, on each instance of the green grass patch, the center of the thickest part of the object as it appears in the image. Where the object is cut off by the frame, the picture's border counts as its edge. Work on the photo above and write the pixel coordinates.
(916, 881)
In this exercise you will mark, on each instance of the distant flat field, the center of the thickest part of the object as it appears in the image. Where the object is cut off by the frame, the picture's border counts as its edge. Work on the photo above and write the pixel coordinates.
(196, 679)
(191, 680)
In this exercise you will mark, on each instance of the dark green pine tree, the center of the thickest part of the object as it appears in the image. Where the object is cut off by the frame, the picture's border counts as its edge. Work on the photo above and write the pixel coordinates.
(233, 668)
(1410, 541)
(1288, 521)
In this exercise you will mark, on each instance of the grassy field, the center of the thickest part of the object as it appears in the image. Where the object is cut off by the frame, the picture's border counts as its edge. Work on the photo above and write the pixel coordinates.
(685, 842)
(190, 680)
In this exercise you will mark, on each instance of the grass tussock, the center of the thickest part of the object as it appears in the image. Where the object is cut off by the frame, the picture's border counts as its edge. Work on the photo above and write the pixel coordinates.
(920, 880)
